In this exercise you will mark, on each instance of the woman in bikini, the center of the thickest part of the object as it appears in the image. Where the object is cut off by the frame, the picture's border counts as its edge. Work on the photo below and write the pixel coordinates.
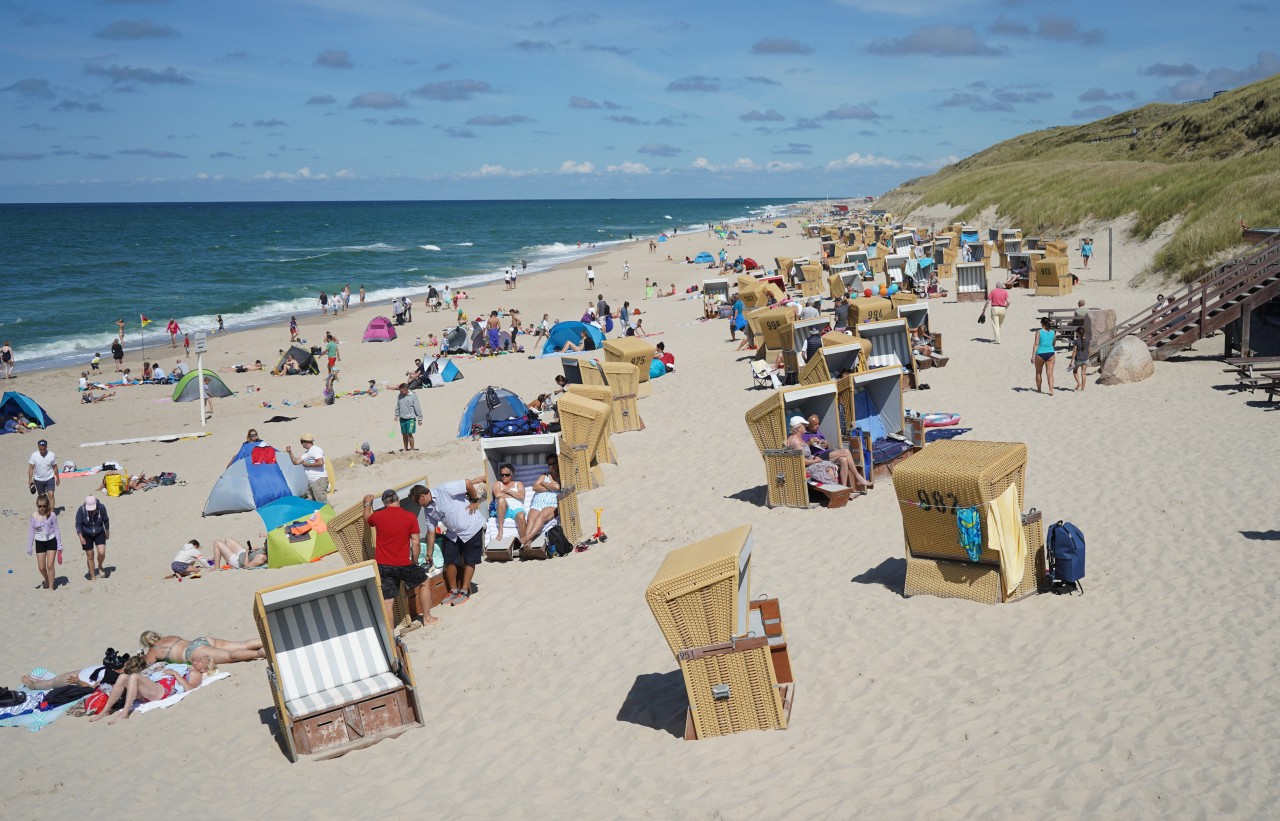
(542, 507)
(181, 651)
(136, 684)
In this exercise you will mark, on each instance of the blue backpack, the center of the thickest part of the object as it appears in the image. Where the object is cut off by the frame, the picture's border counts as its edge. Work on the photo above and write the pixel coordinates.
(1065, 550)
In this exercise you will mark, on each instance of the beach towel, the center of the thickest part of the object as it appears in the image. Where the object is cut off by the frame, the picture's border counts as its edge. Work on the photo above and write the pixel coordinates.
(29, 715)
(1004, 530)
(174, 699)
(970, 531)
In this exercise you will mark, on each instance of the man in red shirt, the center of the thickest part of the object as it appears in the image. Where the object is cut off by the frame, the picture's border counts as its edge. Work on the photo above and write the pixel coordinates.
(396, 552)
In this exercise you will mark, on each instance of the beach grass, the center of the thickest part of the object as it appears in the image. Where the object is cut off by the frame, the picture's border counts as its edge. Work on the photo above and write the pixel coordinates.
(1211, 164)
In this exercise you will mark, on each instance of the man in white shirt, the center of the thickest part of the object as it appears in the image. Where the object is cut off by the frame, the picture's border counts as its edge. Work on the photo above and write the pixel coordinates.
(312, 461)
(456, 505)
(809, 311)
(43, 473)
(158, 374)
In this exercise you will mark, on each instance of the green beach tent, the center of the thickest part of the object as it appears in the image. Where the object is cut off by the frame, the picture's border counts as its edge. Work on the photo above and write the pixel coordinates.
(292, 513)
(188, 389)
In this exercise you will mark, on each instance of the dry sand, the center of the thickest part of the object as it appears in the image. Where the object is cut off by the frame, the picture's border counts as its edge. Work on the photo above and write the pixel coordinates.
(553, 692)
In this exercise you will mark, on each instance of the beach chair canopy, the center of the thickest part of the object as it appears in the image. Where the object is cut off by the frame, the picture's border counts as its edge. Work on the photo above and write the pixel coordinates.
(877, 402)
(297, 531)
(563, 332)
(306, 362)
(259, 475)
(188, 389)
(379, 329)
(494, 404)
(13, 403)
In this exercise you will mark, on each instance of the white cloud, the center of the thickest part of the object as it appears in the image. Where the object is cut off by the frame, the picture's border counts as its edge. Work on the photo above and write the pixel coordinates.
(345, 174)
(740, 164)
(783, 166)
(571, 167)
(304, 173)
(628, 167)
(856, 160)
(498, 171)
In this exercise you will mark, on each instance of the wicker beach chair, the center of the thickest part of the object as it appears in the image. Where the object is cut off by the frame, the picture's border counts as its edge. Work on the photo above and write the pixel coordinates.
(772, 332)
(624, 380)
(592, 373)
(890, 345)
(801, 329)
(753, 296)
(931, 487)
(1053, 277)
(836, 284)
(638, 352)
(786, 481)
(732, 651)
(528, 456)
(339, 679)
(606, 453)
(876, 420)
(866, 309)
(582, 423)
(971, 282)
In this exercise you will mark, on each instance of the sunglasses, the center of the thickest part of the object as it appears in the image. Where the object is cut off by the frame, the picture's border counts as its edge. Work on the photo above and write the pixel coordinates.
(504, 474)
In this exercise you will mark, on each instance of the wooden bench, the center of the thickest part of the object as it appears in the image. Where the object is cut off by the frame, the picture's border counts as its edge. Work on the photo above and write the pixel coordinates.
(1245, 365)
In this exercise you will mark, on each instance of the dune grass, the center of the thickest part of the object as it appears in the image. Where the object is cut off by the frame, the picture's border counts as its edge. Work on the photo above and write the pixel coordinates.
(1212, 163)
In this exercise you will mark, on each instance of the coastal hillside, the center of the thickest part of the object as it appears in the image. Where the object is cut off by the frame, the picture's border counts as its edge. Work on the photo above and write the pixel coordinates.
(1212, 163)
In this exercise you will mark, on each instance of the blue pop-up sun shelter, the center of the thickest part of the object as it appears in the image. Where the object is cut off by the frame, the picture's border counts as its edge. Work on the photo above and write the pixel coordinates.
(704, 257)
(14, 403)
(255, 477)
(507, 406)
(563, 332)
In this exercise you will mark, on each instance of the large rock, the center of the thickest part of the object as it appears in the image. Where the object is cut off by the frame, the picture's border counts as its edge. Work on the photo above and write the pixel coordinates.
(1100, 323)
(1129, 361)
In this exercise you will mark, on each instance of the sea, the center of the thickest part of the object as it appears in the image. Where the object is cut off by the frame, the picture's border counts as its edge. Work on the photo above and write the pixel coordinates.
(69, 271)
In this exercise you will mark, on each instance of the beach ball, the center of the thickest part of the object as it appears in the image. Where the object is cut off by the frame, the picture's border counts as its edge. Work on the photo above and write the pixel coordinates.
(893, 289)
(884, 290)
(867, 292)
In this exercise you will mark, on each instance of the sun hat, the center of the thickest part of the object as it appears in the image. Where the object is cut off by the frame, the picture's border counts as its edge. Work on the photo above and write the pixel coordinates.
(306, 437)
(798, 420)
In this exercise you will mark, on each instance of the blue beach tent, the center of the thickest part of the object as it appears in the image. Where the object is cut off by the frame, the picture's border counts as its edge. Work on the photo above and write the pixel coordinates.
(507, 405)
(258, 475)
(563, 332)
(13, 403)
(704, 257)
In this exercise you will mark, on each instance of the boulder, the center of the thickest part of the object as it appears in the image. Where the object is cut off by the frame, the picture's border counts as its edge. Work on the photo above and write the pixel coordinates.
(1129, 361)
(1100, 323)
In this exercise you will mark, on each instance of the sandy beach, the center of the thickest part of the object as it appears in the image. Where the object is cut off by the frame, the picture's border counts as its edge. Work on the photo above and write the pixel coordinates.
(553, 692)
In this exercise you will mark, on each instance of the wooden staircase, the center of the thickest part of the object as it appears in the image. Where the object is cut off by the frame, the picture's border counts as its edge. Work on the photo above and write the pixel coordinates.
(1228, 293)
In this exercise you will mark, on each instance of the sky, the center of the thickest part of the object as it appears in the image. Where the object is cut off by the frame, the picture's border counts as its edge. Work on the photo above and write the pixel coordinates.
(224, 100)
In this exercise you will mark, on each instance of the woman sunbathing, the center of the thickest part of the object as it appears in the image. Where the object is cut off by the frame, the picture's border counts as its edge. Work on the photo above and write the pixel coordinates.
(181, 651)
(138, 682)
(542, 507)
(238, 556)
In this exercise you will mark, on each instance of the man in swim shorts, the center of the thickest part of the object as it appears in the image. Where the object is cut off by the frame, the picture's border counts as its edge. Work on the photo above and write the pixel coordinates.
(409, 415)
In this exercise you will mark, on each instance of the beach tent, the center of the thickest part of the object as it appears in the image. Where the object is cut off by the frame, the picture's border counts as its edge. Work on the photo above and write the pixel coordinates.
(255, 478)
(662, 238)
(379, 329)
(14, 403)
(779, 224)
(749, 264)
(457, 340)
(563, 332)
(297, 531)
(494, 404)
(442, 372)
(188, 389)
(302, 356)
(704, 257)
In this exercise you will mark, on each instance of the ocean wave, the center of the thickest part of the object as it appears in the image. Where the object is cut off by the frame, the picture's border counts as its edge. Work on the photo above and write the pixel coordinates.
(377, 247)
(429, 247)
(464, 244)
(303, 259)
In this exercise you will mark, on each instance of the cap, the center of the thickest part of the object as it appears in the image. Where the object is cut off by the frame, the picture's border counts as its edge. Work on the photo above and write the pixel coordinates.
(364, 446)
(43, 443)
(389, 496)
(90, 502)
(798, 420)
(306, 437)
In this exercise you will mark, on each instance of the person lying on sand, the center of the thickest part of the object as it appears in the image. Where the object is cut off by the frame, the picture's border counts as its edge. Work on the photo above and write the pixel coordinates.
(89, 396)
(181, 651)
(139, 682)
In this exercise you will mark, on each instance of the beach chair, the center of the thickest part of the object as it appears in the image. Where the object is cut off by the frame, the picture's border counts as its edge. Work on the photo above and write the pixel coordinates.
(732, 651)
(877, 428)
(1052, 276)
(339, 679)
(528, 457)
(772, 332)
(971, 282)
(890, 345)
(786, 481)
(582, 423)
(623, 379)
(753, 296)
(354, 539)
(592, 373)
(606, 453)
(869, 309)
(638, 352)
(838, 362)
(932, 487)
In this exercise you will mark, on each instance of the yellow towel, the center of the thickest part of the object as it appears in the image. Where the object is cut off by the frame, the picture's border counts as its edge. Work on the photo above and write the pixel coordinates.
(1005, 536)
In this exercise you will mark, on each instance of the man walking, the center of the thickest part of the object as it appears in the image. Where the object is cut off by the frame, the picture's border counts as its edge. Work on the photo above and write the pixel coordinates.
(312, 461)
(396, 549)
(591, 278)
(456, 506)
(43, 474)
(998, 300)
(409, 415)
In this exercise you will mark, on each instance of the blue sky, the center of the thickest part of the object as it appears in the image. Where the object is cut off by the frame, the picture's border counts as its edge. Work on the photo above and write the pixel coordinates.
(175, 100)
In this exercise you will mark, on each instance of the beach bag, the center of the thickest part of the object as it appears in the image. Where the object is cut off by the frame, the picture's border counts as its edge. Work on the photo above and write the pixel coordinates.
(115, 484)
(11, 698)
(95, 702)
(558, 543)
(1064, 545)
(515, 426)
(167, 479)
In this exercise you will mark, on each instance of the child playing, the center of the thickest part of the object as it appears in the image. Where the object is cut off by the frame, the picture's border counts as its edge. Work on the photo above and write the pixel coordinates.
(95, 362)
(1079, 358)
(186, 344)
(367, 456)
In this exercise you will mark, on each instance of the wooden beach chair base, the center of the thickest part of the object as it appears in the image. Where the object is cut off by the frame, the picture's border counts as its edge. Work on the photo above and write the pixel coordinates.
(836, 495)
(500, 550)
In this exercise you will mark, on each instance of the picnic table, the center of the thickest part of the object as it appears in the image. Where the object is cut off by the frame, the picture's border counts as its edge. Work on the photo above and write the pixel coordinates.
(1268, 381)
(1245, 365)
(1063, 321)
